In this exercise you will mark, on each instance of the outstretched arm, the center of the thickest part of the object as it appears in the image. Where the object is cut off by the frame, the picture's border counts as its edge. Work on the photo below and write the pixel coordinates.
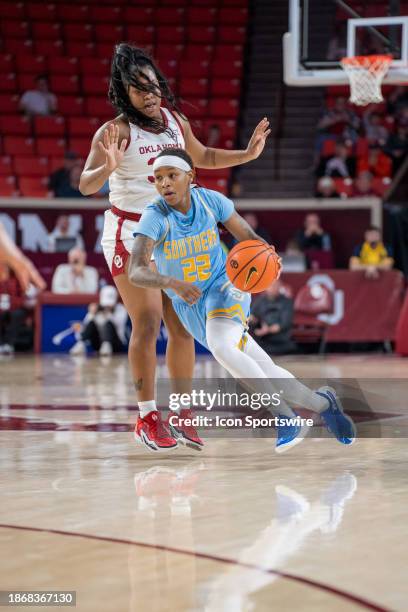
(141, 274)
(207, 157)
(240, 229)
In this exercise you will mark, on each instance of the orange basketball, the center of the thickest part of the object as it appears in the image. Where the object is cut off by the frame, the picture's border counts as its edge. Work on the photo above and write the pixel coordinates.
(252, 266)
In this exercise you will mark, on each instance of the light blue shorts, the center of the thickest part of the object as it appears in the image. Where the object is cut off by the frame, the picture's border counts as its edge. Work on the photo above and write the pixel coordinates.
(222, 299)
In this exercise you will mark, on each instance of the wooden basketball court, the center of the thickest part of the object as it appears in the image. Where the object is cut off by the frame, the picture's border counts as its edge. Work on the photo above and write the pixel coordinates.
(235, 527)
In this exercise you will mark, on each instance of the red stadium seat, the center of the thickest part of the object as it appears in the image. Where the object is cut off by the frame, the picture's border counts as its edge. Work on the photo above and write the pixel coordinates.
(362, 147)
(51, 146)
(8, 186)
(232, 34)
(233, 16)
(94, 66)
(192, 69)
(72, 106)
(227, 68)
(224, 107)
(196, 108)
(198, 34)
(228, 52)
(165, 52)
(63, 65)
(105, 50)
(9, 103)
(80, 146)
(344, 187)
(18, 145)
(5, 165)
(80, 48)
(138, 15)
(170, 34)
(26, 82)
(328, 148)
(49, 126)
(105, 14)
(169, 16)
(380, 185)
(204, 16)
(12, 10)
(17, 45)
(198, 53)
(35, 187)
(108, 33)
(169, 67)
(15, 125)
(243, 3)
(82, 126)
(226, 87)
(8, 83)
(193, 87)
(55, 163)
(205, 173)
(41, 11)
(49, 47)
(31, 166)
(6, 63)
(78, 31)
(99, 107)
(66, 14)
(227, 127)
(216, 184)
(30, 64)
(15, 29)
(95, 85)
(65, 84)
(46, 31)
(140, 35)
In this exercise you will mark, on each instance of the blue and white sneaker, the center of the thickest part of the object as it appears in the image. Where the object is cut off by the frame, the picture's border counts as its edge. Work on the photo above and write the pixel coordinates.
(337, 423)
(289, 435)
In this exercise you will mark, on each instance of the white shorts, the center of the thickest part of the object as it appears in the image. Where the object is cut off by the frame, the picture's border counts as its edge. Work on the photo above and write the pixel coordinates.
(117, 240)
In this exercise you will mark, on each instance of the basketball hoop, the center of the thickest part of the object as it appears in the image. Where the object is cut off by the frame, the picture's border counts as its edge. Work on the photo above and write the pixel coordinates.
(366, 73)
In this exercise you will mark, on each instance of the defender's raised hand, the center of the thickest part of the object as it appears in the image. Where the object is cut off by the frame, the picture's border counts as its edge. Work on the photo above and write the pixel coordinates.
(257, 143)
(110, 147)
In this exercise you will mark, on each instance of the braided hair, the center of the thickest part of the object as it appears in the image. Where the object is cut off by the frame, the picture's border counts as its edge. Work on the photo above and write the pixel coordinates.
(127, 67)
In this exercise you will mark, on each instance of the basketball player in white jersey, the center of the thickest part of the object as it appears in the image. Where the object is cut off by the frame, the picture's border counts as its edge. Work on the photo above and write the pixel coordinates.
(123, 150)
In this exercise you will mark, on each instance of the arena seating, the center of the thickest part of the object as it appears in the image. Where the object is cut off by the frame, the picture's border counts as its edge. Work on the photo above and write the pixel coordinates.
(198, 45)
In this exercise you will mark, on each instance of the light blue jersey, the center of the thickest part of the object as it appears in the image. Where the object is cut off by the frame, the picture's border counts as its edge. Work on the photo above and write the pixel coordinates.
(187, 247)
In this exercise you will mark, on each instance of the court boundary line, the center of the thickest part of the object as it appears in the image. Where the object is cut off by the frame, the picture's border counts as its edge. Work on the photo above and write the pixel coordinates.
(209, 557)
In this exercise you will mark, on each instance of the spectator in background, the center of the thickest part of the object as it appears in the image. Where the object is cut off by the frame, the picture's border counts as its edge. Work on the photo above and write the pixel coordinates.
(39, 101)
(271, 321)
(16, 327)
(376, 133)
(338, 43)
(313, 236)
(104, 327)
(339, 121)
(62, 232)
(397, 100)
(363, 186)
(372, 256)
(75, 276)
(293, 258)
(326, 188)
(397, 146)
(376, 163)
(253, 222)
(340, 165)
(61, 182)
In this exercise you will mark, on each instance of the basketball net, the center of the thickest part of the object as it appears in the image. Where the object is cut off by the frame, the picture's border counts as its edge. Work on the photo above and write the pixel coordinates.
(366, 73)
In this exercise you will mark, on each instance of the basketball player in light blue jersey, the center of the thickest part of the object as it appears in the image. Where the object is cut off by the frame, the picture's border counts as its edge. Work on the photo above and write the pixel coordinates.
(180, 229)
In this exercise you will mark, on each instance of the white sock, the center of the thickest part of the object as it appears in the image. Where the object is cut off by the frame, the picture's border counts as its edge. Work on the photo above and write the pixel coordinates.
(223, 338)
(146, 407)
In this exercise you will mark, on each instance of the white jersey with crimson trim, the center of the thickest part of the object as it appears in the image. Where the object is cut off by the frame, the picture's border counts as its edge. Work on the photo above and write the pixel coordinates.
(132, 183)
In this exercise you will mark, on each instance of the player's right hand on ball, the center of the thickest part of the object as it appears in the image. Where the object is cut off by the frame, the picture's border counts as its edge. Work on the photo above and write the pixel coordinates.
(187, 291)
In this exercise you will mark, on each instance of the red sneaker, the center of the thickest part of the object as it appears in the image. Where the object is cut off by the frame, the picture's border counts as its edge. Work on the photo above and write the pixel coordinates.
(152, 432)
(187, 434)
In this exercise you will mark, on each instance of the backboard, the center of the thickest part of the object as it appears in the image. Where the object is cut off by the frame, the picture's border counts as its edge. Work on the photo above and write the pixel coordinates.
(321, 33)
